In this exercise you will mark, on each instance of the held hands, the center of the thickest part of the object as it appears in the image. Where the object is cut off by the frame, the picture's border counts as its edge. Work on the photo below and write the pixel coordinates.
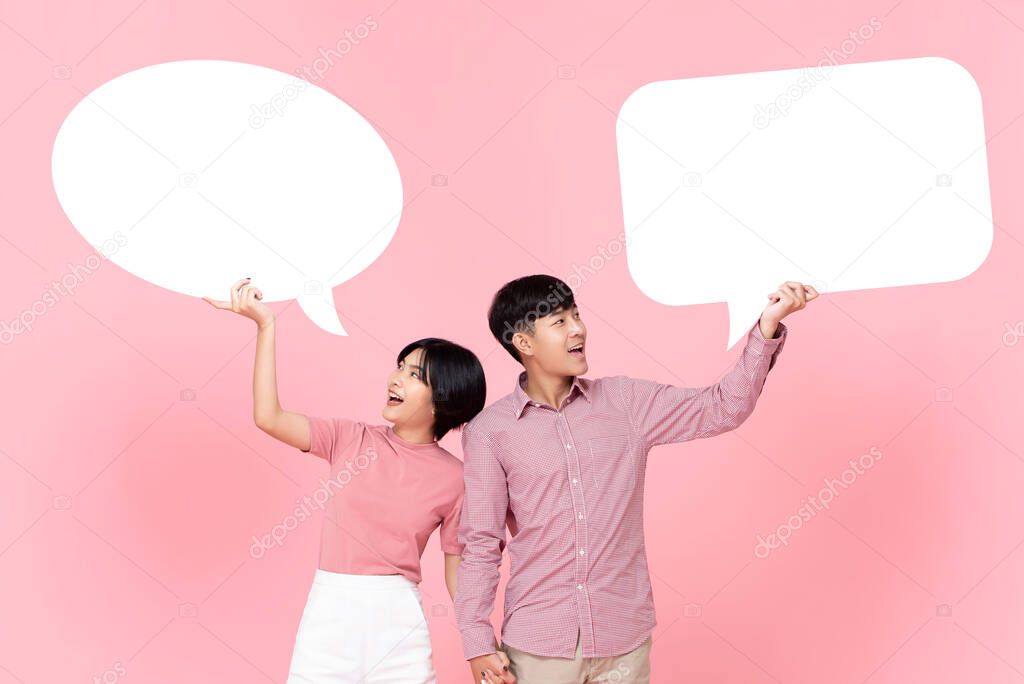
(491, 669)
(791, 296)
(245, 300)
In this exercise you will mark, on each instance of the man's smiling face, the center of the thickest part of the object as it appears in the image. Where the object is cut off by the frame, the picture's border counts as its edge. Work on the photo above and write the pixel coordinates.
(558, 343)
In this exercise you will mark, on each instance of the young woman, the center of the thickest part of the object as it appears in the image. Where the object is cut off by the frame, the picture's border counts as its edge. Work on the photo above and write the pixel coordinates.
(390, 487)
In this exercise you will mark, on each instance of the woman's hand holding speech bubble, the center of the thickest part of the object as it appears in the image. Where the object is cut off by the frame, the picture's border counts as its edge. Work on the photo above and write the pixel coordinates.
(245, 300)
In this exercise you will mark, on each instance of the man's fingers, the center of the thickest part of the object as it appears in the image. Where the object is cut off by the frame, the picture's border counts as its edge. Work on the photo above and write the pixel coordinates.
(798, 292)
(801, 293)
(792, 296)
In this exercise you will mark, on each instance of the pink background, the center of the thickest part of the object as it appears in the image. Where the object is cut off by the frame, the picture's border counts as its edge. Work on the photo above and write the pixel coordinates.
(127, 511)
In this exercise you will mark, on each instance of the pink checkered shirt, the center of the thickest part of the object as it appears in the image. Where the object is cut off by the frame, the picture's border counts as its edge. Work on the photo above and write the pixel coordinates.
(569, 484)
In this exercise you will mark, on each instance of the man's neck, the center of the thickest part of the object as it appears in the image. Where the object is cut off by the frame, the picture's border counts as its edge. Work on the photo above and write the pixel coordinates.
(547, 389)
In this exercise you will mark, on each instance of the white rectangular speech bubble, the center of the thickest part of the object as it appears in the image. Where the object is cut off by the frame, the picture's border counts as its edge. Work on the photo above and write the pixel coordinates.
(846, 177)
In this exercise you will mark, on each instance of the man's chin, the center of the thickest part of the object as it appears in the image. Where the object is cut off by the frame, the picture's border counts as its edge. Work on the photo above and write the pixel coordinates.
(577, 368)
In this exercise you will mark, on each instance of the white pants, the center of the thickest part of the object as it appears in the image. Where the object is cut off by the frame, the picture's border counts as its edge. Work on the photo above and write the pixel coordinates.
(362, 629)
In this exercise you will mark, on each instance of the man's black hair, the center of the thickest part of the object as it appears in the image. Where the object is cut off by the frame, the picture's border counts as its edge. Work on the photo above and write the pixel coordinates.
(456, 380)
(521, 302)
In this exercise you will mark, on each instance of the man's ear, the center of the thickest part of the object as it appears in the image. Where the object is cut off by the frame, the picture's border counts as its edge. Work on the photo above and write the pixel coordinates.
(523, 343)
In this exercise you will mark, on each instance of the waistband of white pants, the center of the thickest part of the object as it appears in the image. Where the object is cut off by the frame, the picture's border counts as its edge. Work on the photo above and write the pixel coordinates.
(361, 582)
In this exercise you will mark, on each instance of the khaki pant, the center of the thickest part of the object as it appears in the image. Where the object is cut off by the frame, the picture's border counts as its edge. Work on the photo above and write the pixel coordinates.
(629, 668)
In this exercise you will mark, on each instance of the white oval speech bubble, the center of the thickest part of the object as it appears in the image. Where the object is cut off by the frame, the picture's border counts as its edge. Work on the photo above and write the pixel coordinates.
(845, 177)
(211, 171)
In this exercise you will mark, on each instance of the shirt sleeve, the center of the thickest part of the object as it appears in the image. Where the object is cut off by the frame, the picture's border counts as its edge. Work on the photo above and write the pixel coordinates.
(450, 529)
(664, 414)
(482, 532)
(329, 436)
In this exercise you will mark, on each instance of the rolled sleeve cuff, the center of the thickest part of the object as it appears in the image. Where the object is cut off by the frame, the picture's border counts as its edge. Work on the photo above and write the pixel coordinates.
(758, 341)
(478, 642)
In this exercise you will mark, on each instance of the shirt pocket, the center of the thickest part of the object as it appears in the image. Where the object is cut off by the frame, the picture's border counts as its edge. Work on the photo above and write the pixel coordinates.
(613, 464)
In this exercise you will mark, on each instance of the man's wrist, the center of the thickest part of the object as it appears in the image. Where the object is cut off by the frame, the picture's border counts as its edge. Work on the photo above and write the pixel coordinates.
(769, 328)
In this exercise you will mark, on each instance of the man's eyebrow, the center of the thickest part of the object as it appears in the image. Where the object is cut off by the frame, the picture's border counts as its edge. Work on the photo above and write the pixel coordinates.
(560, 311)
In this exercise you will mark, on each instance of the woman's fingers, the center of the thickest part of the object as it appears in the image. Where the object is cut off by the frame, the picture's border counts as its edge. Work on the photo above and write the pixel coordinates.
(251, 295)
(236, 291)
(218, 303)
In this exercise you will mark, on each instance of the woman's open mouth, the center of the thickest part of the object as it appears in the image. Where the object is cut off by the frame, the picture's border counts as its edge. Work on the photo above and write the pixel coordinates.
(394, 399)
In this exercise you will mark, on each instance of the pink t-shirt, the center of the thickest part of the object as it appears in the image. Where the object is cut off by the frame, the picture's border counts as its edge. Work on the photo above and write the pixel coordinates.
(384, 498)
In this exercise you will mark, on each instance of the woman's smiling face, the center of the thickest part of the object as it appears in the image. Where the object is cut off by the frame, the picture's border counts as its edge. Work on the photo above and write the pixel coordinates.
(409, 400)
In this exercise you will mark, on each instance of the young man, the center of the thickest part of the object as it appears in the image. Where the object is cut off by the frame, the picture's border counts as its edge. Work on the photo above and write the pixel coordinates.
(561, 461)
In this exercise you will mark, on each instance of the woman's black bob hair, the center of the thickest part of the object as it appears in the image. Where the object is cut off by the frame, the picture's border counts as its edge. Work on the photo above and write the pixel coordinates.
(456, 381)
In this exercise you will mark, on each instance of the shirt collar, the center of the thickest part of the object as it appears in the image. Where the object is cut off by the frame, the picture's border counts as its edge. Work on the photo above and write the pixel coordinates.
(520, 398)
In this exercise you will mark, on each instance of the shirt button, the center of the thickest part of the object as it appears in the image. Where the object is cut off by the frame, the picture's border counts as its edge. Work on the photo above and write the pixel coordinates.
(581, 552)
(579, 586)
(581, 516)
(568, 446)
(574, 480)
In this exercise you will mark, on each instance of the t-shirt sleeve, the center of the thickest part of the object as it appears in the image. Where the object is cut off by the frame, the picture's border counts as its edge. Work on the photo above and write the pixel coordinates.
(450, 529)
(329, 436)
